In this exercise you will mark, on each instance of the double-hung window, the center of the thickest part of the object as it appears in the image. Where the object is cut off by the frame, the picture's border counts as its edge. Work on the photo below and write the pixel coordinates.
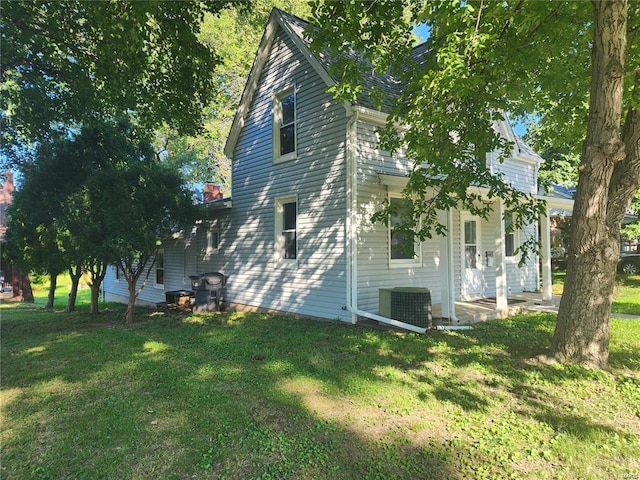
(284, 126)
(286, 230)
(510, 240)
(159, 266)
(403, 249)
(213, 240)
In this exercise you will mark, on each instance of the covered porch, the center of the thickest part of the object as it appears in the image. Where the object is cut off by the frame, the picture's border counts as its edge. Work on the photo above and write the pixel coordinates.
(480, 310)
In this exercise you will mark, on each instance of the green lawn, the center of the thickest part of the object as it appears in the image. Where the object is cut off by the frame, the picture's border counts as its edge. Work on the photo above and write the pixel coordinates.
(256, 396)
(626, 295)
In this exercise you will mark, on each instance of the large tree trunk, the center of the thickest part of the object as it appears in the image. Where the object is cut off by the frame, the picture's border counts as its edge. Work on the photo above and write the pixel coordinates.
(75, 282)
(53, 283)
(582, 329)
(95, 298)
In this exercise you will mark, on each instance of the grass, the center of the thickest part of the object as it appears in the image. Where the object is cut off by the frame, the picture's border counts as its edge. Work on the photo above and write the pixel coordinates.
(626, 294)
(256, 396)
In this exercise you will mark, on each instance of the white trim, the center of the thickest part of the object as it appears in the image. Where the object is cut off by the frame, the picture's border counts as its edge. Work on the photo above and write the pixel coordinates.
(160, 252)
(276, 121)
(416, 261)
(351, 214)
(306, 53)
(557, 202)
(451, 273)
(513, 258)
(275, 20)
(370, 115)
(212, 249)
(501, 260)
(250, 87)
(545, 250)
(278, 223)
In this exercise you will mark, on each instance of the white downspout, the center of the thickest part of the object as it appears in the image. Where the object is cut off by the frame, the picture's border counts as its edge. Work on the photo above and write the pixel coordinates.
(351, 250)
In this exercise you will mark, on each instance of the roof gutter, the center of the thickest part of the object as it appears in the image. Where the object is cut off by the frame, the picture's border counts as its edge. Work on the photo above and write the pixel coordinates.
(351, 227)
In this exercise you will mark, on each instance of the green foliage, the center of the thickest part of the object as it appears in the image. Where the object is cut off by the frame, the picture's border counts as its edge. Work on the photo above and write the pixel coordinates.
(482, 59)
(561, 163)
(98, 198)
(235, 36)
(526, 58)
(268, 396)
(552, 61)
(64, 63)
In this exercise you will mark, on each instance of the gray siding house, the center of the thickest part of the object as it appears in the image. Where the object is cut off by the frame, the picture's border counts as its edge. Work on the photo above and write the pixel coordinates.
(307, 176)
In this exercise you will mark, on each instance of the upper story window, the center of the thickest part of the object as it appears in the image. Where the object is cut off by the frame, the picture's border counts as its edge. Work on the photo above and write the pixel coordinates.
(284, 126)
(403, 249)
(159, 281)
(286, 230)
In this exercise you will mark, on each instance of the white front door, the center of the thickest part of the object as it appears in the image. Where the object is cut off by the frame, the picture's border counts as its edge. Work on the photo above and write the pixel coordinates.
(471, 257)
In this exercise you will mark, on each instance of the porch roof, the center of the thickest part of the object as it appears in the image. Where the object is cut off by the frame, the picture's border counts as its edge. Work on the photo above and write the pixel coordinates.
(553, 203)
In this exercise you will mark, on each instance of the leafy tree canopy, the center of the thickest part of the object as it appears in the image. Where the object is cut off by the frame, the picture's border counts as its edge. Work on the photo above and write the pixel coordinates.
(66, 62)
(575, 66)
(234, 35)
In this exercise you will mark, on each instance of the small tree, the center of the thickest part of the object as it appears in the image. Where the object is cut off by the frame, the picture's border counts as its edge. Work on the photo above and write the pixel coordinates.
(35, 238)
(155, 203)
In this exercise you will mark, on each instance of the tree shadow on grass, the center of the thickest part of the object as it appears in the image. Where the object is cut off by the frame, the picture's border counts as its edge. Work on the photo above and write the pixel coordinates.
(172, 399)
(258, 396)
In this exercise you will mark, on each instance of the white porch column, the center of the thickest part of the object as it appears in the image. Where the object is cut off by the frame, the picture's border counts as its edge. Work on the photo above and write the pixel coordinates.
(545, 251)
(499, 255)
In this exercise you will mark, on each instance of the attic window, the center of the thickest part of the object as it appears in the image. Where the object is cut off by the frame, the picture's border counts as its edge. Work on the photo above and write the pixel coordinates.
(284, 126)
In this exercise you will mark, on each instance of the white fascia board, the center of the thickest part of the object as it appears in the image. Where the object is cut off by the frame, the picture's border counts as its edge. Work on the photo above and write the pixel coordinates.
(391, 180)
(523, 157)
(276, 20)
(557, 202)
(252, 84)
(370, 115)
(302, 46)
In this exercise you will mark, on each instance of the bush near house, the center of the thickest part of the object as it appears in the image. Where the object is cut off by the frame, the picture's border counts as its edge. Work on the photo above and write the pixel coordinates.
(240, 396)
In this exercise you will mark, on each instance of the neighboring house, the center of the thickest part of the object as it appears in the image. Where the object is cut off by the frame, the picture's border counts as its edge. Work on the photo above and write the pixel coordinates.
(306, 177)
(560, 220)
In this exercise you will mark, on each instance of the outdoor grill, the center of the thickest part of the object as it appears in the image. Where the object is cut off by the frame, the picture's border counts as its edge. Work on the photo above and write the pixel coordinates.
(209, 291)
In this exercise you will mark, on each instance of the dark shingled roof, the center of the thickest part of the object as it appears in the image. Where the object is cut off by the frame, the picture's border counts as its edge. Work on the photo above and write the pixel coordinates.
(389, 86)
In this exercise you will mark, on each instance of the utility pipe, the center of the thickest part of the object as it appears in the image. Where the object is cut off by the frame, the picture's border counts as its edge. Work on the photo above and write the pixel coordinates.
(351, 250)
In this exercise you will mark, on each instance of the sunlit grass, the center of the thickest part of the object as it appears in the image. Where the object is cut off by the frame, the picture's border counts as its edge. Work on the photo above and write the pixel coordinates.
(626, 295)
(239, 396)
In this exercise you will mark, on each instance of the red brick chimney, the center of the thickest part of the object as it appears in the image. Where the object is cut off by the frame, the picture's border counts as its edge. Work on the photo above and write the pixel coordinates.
(211, 192)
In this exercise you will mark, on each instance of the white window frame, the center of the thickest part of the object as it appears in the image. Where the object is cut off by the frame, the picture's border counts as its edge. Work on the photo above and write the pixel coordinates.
(213, 241)
(416, 261)
(279, 228)
(155, 269)
(513, 258)
(277, 125)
